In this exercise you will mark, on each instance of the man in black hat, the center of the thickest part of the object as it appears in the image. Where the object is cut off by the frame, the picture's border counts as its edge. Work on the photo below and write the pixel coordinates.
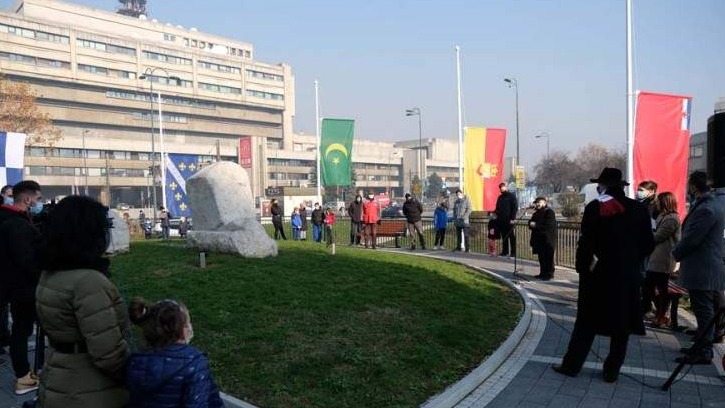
(543, 237)
(616, 236)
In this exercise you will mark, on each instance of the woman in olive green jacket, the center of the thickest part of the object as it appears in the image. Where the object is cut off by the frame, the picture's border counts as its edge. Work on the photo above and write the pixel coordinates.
(81, 312)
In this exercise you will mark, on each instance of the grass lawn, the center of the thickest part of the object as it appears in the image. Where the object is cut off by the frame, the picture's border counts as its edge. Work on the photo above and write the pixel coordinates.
(306, 329)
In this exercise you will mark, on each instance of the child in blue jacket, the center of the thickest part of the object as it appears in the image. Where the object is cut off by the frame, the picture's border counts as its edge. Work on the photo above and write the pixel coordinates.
(296, 222)
(171, 373)
(440, 221)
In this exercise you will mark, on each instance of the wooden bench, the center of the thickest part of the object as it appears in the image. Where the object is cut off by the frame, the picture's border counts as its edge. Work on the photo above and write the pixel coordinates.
(392, 228)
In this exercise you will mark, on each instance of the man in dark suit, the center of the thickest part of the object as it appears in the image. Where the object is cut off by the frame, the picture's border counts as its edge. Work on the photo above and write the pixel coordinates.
(700, 253)
(507, 206)
(543, 237)
(616, 236)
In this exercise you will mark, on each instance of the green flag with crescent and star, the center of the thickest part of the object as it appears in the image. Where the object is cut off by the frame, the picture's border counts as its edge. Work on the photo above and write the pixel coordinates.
(336, 151)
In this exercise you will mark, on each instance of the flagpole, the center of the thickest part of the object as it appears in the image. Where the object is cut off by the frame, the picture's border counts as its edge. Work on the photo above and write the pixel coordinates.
(317, 124)
(630, 104)
(163, 153)
(460, 119)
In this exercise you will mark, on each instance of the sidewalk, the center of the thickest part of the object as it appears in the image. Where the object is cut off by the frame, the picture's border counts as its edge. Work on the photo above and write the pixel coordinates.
(532, 383)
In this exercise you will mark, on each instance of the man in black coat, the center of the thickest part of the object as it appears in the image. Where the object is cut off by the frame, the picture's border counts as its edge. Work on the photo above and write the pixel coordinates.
(6, 198)
(20, 244)
(507, 206)
(355, 211)
(616, 236)
(317, 223)
(413, 211)
(543, 237)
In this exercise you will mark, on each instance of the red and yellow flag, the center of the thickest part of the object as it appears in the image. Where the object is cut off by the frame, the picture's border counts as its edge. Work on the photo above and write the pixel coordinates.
(483, 166)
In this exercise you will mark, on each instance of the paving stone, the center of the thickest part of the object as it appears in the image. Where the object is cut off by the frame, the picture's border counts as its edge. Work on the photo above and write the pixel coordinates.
(564, 401)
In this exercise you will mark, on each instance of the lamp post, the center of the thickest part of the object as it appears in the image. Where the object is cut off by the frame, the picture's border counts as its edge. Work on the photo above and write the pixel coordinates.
(513, 83)
(149, 75)
(390, 157)
(547, 136)
(416, 112)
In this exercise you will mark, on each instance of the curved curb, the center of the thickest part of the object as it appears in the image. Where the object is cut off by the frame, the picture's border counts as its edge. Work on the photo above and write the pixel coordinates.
(231, 402)
(457, 392)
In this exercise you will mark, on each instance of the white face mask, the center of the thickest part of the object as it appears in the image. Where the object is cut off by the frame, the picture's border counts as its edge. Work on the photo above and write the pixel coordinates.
(641, 195)
(459, 195)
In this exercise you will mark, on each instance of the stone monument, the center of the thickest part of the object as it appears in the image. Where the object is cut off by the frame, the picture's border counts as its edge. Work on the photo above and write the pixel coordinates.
(120, 234)
(223, 213)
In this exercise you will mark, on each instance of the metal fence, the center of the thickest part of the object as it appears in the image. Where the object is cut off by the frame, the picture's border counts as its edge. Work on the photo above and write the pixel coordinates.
(568, 235)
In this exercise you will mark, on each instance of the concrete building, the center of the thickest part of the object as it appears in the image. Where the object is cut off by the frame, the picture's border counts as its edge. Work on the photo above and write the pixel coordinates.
(88, 67)
(93, 70)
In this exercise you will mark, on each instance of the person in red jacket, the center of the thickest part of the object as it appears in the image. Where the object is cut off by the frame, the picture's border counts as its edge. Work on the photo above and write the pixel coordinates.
(329, 222)
(371, 215)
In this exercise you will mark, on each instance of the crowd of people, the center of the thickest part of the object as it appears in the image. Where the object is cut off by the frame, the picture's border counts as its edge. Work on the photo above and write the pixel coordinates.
(56, 280)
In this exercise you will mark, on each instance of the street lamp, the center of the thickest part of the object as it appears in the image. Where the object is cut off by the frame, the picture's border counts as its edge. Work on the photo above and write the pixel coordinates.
(547, 136)
(149, 75)
(416, 112)
(513, 83)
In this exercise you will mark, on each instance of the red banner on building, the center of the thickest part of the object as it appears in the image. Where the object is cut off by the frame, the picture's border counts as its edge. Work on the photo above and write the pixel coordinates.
(245, 152)
(662, 143)
(483, 166)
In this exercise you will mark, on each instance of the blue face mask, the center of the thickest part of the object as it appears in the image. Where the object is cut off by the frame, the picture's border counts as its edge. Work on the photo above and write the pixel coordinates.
(36, 208)
(9, 201)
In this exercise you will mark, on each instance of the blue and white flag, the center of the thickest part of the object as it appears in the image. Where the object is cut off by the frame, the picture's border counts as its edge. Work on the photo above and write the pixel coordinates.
(12, 152)
(179, 167)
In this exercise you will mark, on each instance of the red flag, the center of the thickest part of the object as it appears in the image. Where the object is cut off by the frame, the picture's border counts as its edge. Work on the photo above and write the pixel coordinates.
(245, 152)
(484, 166)
(662, 143)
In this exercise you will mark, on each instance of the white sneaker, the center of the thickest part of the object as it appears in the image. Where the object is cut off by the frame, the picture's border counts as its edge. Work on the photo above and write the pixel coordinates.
(26, 384)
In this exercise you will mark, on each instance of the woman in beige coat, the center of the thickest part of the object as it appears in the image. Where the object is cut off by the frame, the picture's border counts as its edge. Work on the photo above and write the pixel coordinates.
(661, 263)
(81, 312)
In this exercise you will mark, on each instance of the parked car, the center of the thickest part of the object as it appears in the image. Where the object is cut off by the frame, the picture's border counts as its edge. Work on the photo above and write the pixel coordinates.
(392, 211)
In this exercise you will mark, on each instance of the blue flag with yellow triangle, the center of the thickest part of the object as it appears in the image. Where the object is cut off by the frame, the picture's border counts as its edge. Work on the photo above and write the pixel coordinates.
(179, 167)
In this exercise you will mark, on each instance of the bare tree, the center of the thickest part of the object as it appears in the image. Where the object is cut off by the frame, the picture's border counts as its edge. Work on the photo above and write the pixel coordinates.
(19, 112)
(592, 158)
(556, 171)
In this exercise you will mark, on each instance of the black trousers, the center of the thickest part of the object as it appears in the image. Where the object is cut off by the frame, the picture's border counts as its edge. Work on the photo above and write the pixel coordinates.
(704, 307)
(546, 260)
(278, 230)
(581, 342)
(23, 313)
(508, 237)
(357, 229)
(654, 289)
(462, 230)
(440, 237)
(4, 328)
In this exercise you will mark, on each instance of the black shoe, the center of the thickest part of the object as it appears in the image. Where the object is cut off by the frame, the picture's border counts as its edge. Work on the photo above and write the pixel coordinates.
(503, 254)
(610, 376)
(412, 248)
(543, 277)
(422, 248)
(468, 250)
(456, 250)
(695, 359)
(563, 371)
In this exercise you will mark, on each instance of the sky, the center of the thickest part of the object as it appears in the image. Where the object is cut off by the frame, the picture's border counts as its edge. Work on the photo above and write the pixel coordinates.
(376, 58)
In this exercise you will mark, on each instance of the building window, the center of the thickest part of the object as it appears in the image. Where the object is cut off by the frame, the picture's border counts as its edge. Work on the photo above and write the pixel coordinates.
(166, 58)
(264, 75)
(219, 88)
(169, 37)
(265, 95)
(38, 35)
(106, 71)
(218, 67)
(697, 151)
(27, 59)
(95, 45)
(169, 81)
(164, 99)
(168, 117)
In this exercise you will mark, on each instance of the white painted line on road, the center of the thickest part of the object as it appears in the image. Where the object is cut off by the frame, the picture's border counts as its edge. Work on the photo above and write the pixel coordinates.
(699, 379)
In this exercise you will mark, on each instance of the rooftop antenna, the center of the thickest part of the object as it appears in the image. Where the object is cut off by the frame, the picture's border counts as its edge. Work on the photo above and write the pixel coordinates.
(132, 8)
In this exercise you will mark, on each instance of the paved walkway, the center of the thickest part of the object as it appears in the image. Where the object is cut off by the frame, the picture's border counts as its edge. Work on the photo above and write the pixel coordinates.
(525, 379)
